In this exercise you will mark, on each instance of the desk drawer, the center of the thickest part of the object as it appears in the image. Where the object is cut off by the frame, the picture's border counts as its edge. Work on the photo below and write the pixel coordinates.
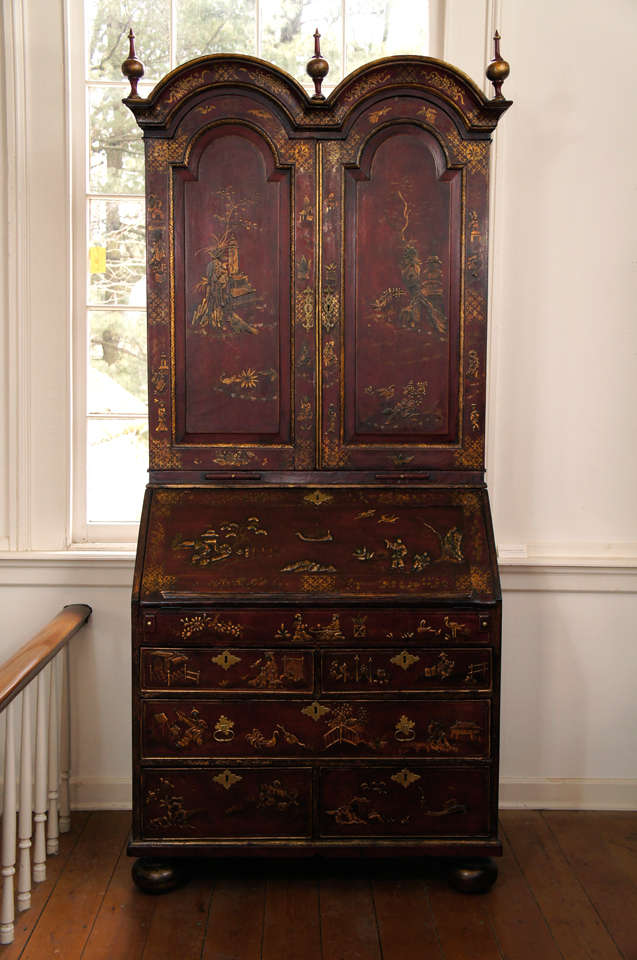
(318, 627)
(413, 800)
(455, 729)
(408, 669)
(233, 669)
(227, 803)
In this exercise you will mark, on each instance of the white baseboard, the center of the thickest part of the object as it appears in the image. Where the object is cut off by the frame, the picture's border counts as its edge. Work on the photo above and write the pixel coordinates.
(101, 794)
(554, 794)
(530, 794)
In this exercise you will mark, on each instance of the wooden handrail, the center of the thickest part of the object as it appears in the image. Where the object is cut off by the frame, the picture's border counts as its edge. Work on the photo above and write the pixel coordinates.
(24, 665)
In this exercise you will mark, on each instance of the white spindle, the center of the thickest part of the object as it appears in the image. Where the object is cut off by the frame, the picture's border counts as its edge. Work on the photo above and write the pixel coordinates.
(7, 907)
(25, 821)
(53, 833)
(39, 845)
(65, 745)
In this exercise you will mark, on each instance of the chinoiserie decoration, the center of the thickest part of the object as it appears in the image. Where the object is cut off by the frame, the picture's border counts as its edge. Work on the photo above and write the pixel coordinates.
(316, 600)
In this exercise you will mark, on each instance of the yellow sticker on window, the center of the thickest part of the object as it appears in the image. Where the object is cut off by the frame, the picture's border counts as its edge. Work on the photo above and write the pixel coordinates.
(97, 259)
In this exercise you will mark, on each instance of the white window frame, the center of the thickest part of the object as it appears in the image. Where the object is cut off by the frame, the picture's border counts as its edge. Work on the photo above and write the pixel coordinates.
(83, 532)
(42, 238)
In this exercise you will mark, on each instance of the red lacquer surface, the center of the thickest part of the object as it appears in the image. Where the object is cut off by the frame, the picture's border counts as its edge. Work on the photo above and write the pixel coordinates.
(402, 243)
(234, 340)
(381, 801)
(346, 541)
(316, 603)
(327, 627)
(434, 729)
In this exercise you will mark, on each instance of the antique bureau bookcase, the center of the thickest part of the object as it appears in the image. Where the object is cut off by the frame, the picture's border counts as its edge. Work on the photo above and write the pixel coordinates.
(316, 603)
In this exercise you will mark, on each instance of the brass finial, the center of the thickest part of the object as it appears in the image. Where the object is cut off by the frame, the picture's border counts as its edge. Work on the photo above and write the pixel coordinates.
(132, 67)
(318, 68)
(498, 70)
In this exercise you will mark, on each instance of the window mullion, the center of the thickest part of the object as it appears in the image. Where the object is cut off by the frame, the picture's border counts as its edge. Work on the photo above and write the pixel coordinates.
(344, 36)
(173, 34)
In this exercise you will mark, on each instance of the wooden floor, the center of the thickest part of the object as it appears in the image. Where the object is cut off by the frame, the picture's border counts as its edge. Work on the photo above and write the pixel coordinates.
(567, 888)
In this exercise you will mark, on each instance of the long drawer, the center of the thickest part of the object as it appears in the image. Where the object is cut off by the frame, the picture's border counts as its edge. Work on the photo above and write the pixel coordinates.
(456, 729)
(222, 803)
(337, 627)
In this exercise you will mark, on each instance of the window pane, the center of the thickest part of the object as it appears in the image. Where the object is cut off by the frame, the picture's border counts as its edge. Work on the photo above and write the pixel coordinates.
(117, 362)
(107, 26)
(116, 148)
(287, 35)
(385, 27)
(117, 258)
(215, 26)
(117, 465)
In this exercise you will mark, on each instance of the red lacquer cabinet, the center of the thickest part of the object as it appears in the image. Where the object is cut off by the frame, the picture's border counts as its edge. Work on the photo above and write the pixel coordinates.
(316, 605)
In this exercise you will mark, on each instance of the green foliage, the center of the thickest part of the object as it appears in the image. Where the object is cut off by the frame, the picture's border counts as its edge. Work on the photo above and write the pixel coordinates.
(108, 23)
(116, 149)
(382, 28)
(118, 349)
(287, 35)
(215, 26)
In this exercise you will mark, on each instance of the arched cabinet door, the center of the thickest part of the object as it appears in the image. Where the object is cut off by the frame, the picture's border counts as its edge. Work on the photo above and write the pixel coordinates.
(401, 320)
(405, 251)
(230, 231)
(232, 310)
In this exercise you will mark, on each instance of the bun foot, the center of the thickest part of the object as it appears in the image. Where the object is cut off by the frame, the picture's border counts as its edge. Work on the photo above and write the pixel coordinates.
(158, 876)
(473, 876)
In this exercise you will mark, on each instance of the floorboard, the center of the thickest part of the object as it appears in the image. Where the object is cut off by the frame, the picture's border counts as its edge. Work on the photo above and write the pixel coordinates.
(517, 921)
(25, 922)
(179, 922)
(462, 923)
(348, 920)
(601, 849)
(292, 927)
(403, 912)
(576, 926)
(122, 923)
(567, 890)
(235, 926)
(66, 924)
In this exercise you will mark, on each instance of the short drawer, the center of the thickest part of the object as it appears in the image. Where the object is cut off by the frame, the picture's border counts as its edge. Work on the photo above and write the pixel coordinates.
(413, 800)
(410, 669)
(227, 802)
(324, 627)
(236, 669)
(457, 729)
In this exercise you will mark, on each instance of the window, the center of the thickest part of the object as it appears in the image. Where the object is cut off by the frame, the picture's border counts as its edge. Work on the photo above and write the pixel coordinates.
(110, 290)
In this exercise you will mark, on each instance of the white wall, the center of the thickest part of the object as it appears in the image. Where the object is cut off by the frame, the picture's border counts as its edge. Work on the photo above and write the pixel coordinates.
(100, 664)
(564, 458)
(563, 388)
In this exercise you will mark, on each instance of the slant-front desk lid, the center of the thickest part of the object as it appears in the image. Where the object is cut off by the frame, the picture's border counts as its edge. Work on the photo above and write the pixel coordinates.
(291, 543)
